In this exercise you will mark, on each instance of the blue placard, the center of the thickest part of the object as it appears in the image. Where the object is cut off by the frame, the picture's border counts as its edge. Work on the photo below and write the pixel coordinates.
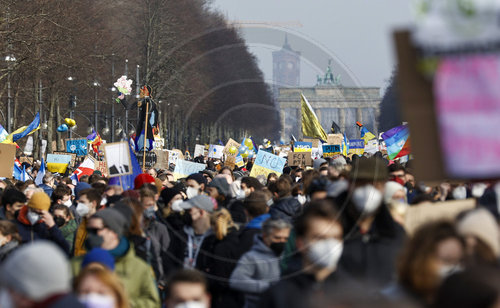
(77, 146)
(356, 144)
(184, 167)
(58, 158)
(270, 161)
(330, 150)
(302, 146)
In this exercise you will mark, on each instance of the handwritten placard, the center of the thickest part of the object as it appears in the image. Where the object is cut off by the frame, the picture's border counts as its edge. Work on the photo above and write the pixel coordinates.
(299, 159)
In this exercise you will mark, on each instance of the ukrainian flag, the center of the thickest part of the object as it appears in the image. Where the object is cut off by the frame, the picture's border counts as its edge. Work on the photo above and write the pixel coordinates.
(24, 131)
(310, 123)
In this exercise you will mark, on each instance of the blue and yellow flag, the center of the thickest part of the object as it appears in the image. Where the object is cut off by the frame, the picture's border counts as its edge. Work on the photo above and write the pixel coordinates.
(310, 124)
(365, 133)
(24, 131)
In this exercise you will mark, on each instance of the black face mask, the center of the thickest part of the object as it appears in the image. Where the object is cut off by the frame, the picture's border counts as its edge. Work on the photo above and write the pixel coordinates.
(16, 213)
(277, 248)
(187, 219)
(59, 221)
(93, 241)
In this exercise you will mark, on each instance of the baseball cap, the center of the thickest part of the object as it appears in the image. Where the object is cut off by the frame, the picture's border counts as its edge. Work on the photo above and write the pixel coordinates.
(202, 202)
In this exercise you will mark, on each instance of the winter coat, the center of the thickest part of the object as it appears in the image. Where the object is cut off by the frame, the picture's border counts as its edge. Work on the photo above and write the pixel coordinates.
(255, 272)
(135, 275)
(286, 208)
(69, 231)
(370, 257)
(80, 236)
(7, 249)
(30, 233)
(160, 240)
(63, 301)
(247, 235)
(236, 209)
(47, 189)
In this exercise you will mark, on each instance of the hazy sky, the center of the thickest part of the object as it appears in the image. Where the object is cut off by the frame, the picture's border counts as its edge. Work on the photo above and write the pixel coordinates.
(357, 33)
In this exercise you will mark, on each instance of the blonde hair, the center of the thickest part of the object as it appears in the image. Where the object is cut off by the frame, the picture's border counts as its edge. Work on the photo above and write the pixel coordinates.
(221, 221)
(108, 278)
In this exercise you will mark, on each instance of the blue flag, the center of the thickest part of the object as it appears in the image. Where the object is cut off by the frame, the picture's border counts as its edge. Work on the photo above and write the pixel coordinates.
(127, 181)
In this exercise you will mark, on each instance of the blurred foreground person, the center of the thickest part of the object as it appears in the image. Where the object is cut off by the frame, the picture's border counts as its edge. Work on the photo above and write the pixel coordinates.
(187, 289)
(9, 238)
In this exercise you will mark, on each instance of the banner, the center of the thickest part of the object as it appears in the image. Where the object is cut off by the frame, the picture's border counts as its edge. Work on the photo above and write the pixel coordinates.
(117, 157)
(215, 151)
(7, 157)
(77, 146)
(301, 146)
(266, 163)
(356, 146)
(199, 150)
(185, 168)
(299, 159)
(330, 150)
(58, 162)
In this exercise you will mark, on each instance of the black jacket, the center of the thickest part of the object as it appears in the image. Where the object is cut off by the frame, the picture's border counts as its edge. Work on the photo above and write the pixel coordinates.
(370, 257)
(286, 208)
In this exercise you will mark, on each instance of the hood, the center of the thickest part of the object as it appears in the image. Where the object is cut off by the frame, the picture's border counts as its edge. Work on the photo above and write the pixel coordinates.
(256, 223)
(260, 246)
(287, 208)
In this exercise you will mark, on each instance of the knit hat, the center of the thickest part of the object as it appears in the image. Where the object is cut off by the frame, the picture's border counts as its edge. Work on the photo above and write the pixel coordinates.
(369, 169)
(318, 162)
(40, 201)
(113, 220)
(222, 186)
(142, 179)
(79, 187)
(198, 177)
(99, 255)
(481, 224)
(127, 212)
(202, 202)
(168, 193)
(37, 271)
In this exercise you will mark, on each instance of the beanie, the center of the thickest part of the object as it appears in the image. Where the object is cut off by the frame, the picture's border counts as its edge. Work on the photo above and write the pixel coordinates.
(142, 179)
(168, 193)
(38, 271)
(79, 187)
(40, 201)
(198, 177)
(221, 185)
(481, 224)
(113, 220)
(99, 255)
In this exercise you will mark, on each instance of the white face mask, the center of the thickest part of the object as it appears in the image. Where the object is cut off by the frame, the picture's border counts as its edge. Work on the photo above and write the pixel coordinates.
(191, 304)
(478, 190)
(447, 270)
(104, 201)
(96, 300)
(192, 192)
(325, 253)
(33, 217)
(459, 193)
(82, 209)
(367, 199)
(68, 203)
(176, 205)
(302, 199)
(6, 299)
(297, 179)
(240, 194)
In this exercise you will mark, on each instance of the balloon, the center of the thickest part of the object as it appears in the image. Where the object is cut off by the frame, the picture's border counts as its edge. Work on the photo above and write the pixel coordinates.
(245, 154)
(248, 142)
(251, 154)
(62, 128)
(233, 150)
(70, 122)
(242, 149)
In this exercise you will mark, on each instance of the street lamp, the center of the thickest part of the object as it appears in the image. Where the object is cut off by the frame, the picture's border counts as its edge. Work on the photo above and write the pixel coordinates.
(72, 104)
(96, 84)
(9, 59)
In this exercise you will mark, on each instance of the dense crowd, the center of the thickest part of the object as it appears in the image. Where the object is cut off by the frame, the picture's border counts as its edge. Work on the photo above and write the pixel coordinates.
(330, 235)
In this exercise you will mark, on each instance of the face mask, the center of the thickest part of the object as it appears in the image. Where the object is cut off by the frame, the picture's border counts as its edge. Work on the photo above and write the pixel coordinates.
(187, 219)
(297, 179)
(33, 217)
(325, 253)
(447, 270)
(82, 209)
(302, 199)
(367, 199)
(459, 193)
(277, 248)
(192, 192)
(191, 304)
(478, 190)
(176, 205)
(95, 300)
(68, 203)
(6, 299)
(93, 241)
(104, 201)
(16, 213)
(59, 221)
(240, 195)
(149, 213)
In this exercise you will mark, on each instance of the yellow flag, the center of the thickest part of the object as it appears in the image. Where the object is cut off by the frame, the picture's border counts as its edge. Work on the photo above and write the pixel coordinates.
(9, 138)
(310, 124)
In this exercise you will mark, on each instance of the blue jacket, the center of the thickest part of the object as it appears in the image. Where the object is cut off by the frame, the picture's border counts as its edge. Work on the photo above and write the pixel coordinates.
(47, 189)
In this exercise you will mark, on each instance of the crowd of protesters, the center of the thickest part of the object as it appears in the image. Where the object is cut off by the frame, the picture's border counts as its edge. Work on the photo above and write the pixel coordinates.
(330, 235)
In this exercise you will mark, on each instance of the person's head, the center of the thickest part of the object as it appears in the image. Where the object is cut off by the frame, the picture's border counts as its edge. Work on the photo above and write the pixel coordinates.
(152, 172)
(318, 189)
(221, 221)
(196, 184)
(38, 205)
(256, 204)
(62, 215)
(96, 284)
(200, 208)
(250, 184)
(275, 233)
(8, 232)
(12, 200)
(281, 188)
(105, 228)
(62, 195)
(435, 251)
(187, 286)
(319, 236)
(169, 196)
(48, 179)
(142, 179)
(271, 177)
(226, 170)
(219, 189)
(34, 273)
(148, 202)
(89, 201)
(30, 190)
(397, 171)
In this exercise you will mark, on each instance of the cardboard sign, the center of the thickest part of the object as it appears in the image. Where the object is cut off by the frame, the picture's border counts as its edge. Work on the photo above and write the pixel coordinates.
(230, 144)
(77, 146)
(58, 162)
(299, 159)
(118, 161)
(335, 139)
(7, 157)
(301, 146)
(73, 157)
(372, 146)
(185, 168)
(173, 156)
(150, 161)
(161, 159)
(101, 166)
(199, 150)
(330, 150)
(315, 142)
(215, 151)
(158, 143)
(230, 161)
(266, 163)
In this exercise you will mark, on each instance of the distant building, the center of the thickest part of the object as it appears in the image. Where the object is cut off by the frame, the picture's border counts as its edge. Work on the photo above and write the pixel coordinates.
(332, 102)
(286, 68)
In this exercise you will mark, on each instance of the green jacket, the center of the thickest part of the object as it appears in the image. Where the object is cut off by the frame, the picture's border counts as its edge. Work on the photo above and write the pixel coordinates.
(68, 231)
(137, 278)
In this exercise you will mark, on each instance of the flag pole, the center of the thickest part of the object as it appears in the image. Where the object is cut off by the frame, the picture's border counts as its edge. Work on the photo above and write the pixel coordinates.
(145, 136)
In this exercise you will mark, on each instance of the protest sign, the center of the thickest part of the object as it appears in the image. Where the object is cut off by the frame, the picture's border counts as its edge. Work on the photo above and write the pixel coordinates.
(199, 150)
(230, 161)
(7, 157)
(150, 160)
(335, 139)
(357, 146)
(184, 168)
(266, 163)
(77, 146)
(229, 144)
(315, 142)
(300, 146)
(372, 146)
(117, 156)
(239, 161)
(330, 150)
(299, 159)
(215, 151)
(158, 143)
(173, 156)
(73, 157)
(58, 162)
(161, 159)
(101, 166)
(316, 153)
(28, 148)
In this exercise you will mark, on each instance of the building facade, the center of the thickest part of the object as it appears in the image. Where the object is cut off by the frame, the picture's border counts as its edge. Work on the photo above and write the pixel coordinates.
(286, 68)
